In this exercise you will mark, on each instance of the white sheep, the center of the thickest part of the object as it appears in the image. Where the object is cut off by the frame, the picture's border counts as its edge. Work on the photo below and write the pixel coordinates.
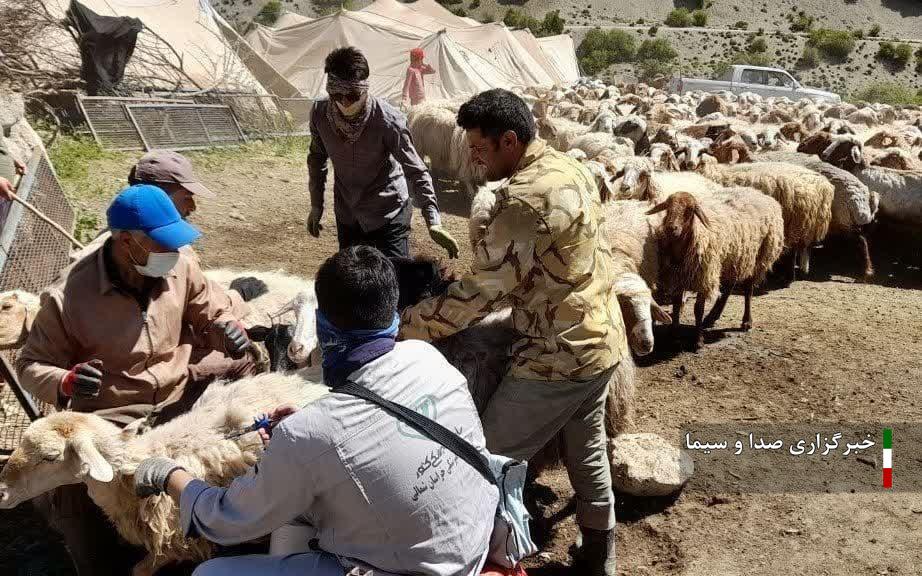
(594, 143)
(560, 133)
(639, 181)
(713, 242)
(17, 312)
(72, 447)
(269, 307)
(853, 205)
(804, 195)
(900, 192)
(437, 136)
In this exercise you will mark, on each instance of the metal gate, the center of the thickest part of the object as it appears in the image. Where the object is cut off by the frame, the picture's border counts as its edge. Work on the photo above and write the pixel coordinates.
(185, 126)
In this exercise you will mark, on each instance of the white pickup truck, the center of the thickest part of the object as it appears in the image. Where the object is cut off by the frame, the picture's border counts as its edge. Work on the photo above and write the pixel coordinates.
(767, 82)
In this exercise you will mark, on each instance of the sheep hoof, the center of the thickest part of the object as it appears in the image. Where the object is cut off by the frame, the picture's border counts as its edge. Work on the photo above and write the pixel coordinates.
(746, 326)
(868, 274)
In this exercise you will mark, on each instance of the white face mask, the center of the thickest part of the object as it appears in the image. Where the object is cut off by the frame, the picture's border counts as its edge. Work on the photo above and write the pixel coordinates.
(159, 264)
(352, 109)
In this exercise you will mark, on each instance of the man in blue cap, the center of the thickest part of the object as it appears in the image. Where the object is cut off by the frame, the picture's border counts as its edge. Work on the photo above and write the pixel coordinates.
(107, 339)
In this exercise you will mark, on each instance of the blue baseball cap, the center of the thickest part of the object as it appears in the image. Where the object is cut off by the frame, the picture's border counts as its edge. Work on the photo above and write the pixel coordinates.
(148, 209)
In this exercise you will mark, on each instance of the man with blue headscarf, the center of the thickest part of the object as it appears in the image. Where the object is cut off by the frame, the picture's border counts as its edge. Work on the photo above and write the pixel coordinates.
(381, 496)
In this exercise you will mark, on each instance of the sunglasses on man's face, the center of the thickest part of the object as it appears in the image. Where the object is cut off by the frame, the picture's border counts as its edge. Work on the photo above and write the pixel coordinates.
(346, 98)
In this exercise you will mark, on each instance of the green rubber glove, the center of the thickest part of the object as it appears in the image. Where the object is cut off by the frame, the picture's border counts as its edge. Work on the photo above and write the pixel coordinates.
(444, 239)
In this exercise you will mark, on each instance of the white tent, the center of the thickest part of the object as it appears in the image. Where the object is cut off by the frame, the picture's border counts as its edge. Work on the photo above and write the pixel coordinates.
(530, 43)
(289, 18)
(561, 51)
(181, 42)
(298, 53)
(397, 14)
(496, 42)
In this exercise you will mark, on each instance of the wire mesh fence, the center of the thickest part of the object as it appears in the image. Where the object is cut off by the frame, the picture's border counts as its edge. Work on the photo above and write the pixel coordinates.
(185, 126)
(260, 115)
(110, 123)
(32, 254)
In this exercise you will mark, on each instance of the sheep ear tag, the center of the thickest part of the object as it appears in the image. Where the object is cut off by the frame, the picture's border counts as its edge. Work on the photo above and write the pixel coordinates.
(91, 460)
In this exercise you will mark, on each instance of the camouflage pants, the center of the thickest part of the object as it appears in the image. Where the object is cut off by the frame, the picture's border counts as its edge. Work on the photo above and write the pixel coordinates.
(524, 415)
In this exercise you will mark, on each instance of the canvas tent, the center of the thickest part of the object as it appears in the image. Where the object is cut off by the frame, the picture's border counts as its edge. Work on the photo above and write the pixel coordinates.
(560, 51)
(497, 42)
(530, 43)
(181, 44)
(298, 53)
(397, 14)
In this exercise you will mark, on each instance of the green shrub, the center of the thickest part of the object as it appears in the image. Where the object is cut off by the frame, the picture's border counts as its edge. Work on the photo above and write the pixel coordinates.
(891, 93)
(600, 49)
(802, 23)
(653, 30)
(474, 5)
(894, 55)
(758, 45)
(741, 25)
(658, 49)
(488, 18)
(679, 18)
(269, 13)
(699, 4)
(699, 18)
(833, 45)
(647, 70)
(459, 11)
(874, 31)
(552, 25)
(919, 61)
(810, 57)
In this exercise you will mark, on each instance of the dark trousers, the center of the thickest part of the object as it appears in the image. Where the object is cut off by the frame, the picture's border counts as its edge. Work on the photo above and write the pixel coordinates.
(392, 239)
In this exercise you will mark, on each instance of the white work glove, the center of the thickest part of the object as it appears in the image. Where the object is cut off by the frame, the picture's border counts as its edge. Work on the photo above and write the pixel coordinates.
(313, 222)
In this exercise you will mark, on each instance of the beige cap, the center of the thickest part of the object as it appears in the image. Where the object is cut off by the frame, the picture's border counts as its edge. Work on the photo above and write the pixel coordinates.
(168, 167)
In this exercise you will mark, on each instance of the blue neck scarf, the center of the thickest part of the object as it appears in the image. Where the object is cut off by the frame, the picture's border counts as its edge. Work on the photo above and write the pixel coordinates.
(344, 351)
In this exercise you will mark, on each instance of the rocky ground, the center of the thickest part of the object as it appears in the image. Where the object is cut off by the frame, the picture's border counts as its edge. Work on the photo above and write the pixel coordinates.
(827, 351)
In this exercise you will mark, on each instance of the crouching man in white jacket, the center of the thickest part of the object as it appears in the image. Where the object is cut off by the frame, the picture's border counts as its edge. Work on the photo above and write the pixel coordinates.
(381, 496)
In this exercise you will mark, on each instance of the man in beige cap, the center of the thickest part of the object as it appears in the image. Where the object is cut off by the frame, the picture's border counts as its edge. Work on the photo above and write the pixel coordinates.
(171, 172)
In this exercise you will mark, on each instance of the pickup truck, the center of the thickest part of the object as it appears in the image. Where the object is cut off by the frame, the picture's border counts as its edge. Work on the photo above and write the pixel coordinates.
(767, 82)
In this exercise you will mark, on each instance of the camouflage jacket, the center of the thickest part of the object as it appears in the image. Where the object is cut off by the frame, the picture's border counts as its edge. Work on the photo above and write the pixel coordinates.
(544, 254)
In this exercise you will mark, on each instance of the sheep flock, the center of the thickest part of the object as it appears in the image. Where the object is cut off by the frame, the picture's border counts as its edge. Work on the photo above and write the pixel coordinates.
(703, 194)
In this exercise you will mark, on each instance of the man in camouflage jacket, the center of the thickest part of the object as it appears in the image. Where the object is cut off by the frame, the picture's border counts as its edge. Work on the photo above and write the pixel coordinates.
(543, 253)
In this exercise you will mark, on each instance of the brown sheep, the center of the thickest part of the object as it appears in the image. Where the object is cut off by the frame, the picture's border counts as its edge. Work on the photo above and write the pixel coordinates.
(793, 131)
(887, 139)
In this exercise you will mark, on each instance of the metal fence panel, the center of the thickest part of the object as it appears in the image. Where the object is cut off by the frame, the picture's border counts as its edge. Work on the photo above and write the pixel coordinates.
(185, 126)
(110, 123)
(32, 254)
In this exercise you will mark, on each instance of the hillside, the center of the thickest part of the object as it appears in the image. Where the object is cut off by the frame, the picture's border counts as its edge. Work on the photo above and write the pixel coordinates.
(729, 24)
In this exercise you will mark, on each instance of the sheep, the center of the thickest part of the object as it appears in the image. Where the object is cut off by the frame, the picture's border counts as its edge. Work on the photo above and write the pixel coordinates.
(635, 129)
(737, 239)
(593, 143)
(837, 127)
(731, 150)
(900, 192)
(72, 447)
(853, 205)
(842, 151)
(895, 158)
(770, 139)
(577, 154)
(560, 133)
(710, 104)
(268, 307)
(794, 131)
(663, 158)
(887, 139)
(17, 312)
(866, 117)
(638, 181)
(804, 195)
(436, 135)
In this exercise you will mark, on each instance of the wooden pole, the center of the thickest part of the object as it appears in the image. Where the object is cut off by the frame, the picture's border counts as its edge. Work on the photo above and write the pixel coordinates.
(44, 218)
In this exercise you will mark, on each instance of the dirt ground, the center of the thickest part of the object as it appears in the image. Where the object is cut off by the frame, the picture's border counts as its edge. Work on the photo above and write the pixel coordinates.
(825, 350)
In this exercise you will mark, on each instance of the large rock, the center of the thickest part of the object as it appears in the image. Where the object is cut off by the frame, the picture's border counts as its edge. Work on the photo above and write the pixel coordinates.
(12, 109)
(646, 465)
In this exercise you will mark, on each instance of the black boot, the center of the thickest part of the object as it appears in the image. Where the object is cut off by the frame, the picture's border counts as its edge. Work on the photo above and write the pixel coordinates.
(597, 553)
